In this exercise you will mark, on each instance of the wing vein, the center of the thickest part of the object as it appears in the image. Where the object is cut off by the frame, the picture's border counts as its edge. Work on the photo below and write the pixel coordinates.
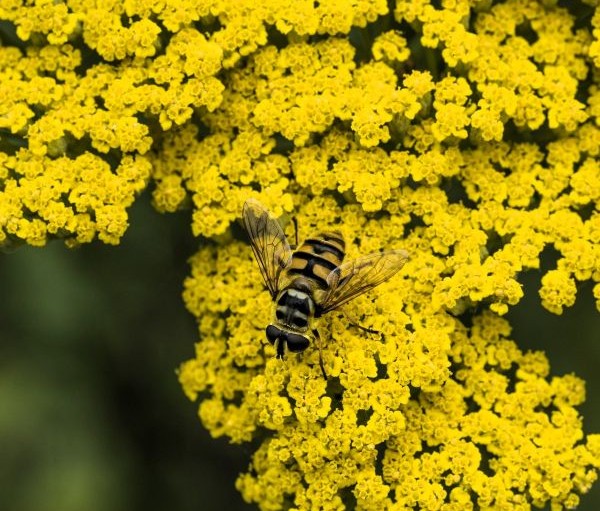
(269, 243)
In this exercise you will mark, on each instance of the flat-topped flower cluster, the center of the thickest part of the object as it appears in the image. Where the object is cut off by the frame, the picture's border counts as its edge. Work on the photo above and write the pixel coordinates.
(465, 132)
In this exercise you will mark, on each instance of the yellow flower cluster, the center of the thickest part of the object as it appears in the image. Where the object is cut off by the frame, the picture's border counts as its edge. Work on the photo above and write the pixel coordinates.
(336, 116)
(77, 199)
(431, 415)
(83, 128)
(465, 132)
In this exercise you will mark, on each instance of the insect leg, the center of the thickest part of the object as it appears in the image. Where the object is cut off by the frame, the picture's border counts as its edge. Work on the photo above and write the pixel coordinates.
(320, 346)
(295, 222)
(368, 330)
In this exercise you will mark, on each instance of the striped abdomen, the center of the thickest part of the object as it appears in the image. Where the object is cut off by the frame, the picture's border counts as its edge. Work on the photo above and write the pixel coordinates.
(317, 257)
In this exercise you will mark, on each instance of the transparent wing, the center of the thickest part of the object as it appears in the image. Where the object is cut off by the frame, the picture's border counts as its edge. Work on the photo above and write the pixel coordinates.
(270, 246)
(354, 278)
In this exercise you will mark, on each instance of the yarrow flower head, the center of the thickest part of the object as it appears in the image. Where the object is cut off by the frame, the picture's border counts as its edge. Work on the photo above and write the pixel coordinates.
(465, 133)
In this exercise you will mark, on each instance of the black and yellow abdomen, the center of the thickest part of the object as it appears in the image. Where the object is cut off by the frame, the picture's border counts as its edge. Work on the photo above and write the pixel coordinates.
(317, 257)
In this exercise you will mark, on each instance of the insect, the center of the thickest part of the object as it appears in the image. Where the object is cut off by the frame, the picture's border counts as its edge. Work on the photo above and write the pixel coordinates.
(311, 280)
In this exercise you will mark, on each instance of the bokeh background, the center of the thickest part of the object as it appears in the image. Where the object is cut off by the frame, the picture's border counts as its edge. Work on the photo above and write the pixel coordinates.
(92, 417)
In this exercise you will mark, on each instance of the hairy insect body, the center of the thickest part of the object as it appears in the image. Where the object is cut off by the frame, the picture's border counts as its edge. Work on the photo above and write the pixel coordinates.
(298, 303)
(311, 280)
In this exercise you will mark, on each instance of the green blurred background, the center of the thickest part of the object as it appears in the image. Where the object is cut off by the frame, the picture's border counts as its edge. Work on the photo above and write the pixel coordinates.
(92, 416)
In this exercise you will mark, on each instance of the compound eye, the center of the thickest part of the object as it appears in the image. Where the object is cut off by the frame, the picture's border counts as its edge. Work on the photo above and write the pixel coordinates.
(273, 333)
(297, 343)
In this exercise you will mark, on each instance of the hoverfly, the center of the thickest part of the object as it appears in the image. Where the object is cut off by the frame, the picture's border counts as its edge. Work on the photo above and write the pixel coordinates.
(311, 280)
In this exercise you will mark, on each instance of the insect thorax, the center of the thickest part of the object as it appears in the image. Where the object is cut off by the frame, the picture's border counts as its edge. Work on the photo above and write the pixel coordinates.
(295, 306)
